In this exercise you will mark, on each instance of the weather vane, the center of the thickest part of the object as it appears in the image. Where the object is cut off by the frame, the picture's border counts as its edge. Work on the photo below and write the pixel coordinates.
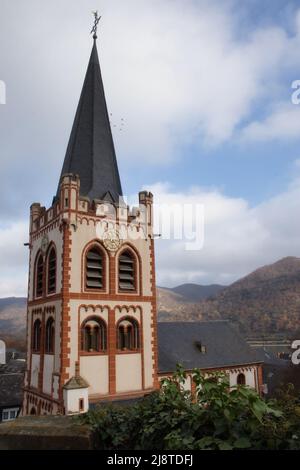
(97, 19)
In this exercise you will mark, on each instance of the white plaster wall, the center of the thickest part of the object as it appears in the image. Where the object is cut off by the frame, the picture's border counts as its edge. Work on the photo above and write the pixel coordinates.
(57, 345)
(35, 367)
(55, 386)
(82, 303)
(187, 386)
(148, 360)
(94, 369)
(73, 335)
(47, 376)
(128, 372)
(71, 400)
(233, 373)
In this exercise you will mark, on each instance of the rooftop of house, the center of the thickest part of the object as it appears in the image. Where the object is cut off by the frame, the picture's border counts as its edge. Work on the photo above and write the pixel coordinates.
(13, 366)
(11, 383)
(203, 345)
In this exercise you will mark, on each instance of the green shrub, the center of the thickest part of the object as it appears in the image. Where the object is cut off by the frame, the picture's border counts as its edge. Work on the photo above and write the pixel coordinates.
(173, 419)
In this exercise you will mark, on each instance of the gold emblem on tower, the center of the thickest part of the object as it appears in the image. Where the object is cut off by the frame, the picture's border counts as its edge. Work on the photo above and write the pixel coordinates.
(44, 244)
(111, 240)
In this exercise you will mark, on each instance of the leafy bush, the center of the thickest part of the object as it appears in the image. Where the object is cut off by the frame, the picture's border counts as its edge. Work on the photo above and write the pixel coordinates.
(212, 418)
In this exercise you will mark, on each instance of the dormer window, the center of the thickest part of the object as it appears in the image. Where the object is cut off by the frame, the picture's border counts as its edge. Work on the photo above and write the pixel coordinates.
(201, 347)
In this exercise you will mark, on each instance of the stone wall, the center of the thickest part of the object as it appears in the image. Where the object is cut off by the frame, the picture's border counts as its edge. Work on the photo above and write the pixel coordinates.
(45, 433)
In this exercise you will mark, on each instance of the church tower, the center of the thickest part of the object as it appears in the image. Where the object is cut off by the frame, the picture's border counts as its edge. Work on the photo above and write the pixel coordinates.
(91, 320)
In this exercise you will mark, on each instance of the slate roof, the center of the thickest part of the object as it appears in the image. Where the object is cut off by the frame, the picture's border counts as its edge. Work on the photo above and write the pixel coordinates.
(179, 342)
(11, 389)
(90, 152)
(13, 366)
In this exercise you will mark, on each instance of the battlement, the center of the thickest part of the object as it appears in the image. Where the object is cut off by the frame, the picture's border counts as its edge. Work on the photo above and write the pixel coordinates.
(70, 205)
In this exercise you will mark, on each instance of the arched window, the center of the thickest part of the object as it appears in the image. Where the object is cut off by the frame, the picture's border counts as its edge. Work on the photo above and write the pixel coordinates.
(128, 337)
(127, 271)
(37, 330)
(50, 335)
(93, 335)
(39, 276)
(52, 271)
(241, 379)
(94, 269)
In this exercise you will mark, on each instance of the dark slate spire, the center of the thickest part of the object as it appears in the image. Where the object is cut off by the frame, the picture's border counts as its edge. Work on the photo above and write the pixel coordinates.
(91, 153)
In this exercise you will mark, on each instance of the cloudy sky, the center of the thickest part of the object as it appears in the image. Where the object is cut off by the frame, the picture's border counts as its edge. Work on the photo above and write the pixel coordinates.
(204, 88)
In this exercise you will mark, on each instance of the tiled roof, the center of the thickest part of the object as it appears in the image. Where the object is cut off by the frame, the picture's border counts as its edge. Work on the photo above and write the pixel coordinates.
(11, 389)
(222, 346)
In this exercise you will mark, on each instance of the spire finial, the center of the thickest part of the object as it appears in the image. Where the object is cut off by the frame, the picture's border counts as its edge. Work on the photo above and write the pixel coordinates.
(97, 18)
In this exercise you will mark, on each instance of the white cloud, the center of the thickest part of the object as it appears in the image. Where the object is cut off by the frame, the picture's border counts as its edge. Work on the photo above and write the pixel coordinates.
(282, 123)
(188, 75)
(175, 71)
(238, 238)
(13, 259)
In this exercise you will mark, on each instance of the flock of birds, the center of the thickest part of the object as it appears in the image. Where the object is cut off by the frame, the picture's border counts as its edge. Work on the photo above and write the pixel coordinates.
(121, 126)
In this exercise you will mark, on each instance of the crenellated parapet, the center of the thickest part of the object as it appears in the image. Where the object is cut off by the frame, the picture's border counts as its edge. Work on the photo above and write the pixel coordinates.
(73, 209)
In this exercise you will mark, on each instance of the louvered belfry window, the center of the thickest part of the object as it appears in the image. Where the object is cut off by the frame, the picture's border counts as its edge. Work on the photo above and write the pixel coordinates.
(94, 269)
(52, 271)
(126, 271)
(39, 276)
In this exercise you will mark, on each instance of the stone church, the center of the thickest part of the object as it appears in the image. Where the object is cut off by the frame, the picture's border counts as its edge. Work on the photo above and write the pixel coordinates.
(92, 331)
